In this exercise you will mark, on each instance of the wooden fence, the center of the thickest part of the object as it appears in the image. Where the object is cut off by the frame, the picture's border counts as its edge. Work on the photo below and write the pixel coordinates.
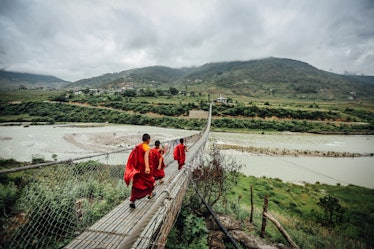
(266, 215)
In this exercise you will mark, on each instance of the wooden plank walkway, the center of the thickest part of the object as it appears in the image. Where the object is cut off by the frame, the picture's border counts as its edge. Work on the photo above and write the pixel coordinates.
(111, 230)
(125, 225)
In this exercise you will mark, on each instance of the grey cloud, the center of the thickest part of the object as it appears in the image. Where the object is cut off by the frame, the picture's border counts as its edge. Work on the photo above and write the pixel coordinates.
(79, 39)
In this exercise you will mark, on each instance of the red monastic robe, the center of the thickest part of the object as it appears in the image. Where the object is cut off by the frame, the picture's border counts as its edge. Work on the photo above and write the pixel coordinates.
(142, 183)
(181, 151)
(154, 160)
(131, 166)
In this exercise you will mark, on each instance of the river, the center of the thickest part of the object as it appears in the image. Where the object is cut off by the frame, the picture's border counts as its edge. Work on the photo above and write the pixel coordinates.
(72, 141)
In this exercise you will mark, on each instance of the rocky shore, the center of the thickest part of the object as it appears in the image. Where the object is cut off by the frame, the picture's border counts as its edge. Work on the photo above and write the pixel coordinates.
(288, 152)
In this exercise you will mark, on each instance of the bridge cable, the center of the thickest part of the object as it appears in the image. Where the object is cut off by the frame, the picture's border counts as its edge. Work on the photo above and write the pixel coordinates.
(223, 229)
(314, 171)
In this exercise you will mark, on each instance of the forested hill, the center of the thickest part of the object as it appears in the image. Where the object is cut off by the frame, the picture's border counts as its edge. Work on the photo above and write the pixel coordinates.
(14, 80)
(282, 77)
(147, 75)
(279, 77)
(270, 76)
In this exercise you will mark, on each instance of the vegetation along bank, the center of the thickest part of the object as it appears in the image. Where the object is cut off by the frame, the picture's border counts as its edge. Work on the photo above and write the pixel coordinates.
(234, 117)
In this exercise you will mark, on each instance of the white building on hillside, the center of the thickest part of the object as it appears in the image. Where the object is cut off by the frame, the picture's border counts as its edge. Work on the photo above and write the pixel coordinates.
(221, 99)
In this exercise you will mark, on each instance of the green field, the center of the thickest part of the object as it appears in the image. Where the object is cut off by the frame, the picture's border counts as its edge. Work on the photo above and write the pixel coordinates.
(241, 114)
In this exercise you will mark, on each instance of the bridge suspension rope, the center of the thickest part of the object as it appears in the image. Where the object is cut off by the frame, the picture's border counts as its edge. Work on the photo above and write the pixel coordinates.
(223, 229)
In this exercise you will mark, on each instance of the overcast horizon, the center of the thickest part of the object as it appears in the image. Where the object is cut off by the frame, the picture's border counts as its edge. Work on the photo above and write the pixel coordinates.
(73, 40)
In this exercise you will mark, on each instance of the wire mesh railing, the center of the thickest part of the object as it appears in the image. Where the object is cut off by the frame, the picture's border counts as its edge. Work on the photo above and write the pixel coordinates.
(61, 200)
(47, 205)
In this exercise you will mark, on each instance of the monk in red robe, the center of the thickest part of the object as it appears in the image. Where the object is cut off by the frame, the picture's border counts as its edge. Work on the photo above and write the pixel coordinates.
(143, 181)
(156, 160)
(180, 153)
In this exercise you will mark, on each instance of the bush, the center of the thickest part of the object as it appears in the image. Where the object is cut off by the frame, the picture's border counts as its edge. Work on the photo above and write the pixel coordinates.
(333, 213)
(8, 197)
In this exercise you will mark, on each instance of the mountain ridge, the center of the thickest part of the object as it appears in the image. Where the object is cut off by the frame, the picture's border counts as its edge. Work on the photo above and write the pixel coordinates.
(260, 77)
(17, 80)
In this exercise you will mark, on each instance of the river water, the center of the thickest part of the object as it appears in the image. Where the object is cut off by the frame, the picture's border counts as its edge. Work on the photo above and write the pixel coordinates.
(65, 142)
(75, 140)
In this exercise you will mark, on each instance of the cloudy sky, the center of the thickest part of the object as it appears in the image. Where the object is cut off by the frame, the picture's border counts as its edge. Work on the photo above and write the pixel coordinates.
(76, 39)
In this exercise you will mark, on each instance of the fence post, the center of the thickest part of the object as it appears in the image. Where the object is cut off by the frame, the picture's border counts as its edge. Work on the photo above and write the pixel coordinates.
(281, 229)
(265, 209)
(251, 216)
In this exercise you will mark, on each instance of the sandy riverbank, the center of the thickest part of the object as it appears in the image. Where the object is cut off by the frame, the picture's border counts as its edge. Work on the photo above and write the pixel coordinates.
(108, 141)
(288, 152)
(101, 141)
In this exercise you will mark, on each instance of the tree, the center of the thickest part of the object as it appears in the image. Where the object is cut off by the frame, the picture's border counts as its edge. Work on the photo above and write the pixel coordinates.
(160, 92)
(333, 212)
(129, 93)
(147, 92)
(60, 98)
(173, 91)
(213, 179)
(216, 176)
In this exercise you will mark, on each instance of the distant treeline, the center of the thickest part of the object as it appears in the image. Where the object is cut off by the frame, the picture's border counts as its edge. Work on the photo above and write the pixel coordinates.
(228, 110)
(145, 107)
(254, 111)
(60, 112)
(225, 111)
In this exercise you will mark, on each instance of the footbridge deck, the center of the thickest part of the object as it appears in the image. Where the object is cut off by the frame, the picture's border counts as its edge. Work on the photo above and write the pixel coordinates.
(148, 225)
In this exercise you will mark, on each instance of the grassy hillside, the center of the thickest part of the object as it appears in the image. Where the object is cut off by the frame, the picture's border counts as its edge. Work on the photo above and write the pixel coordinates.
(314, 215)
(296, 208)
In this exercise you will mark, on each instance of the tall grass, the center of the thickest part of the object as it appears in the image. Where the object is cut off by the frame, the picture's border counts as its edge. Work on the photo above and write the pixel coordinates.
(292, 206)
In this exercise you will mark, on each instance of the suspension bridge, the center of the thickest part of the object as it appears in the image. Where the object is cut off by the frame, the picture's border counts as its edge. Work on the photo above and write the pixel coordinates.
(61, 201)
